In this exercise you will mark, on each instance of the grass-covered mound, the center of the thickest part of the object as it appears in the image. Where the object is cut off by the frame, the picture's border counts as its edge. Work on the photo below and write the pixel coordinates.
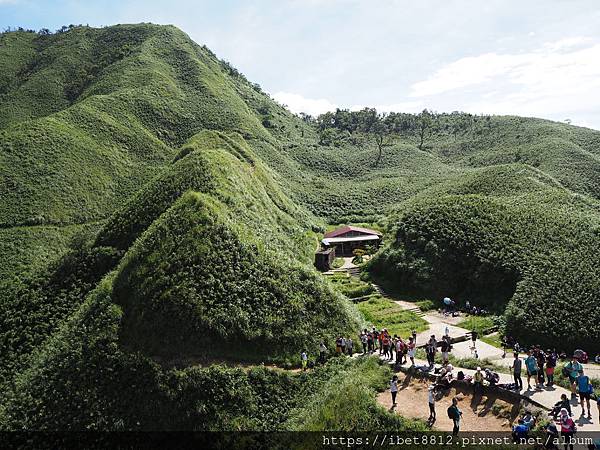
(504, 251)
(197, 283)
(75, 382)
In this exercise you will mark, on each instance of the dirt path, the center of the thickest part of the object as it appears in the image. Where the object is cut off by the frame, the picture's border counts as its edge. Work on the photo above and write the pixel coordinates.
(479, 414)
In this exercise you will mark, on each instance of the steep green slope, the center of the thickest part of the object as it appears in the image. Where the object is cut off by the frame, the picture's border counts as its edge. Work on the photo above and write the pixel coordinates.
(521, 250)
(88, 116)
(197, 283)
(159, 210)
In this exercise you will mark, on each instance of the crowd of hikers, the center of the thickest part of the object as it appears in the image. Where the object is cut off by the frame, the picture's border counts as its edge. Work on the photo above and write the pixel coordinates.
(538, 365)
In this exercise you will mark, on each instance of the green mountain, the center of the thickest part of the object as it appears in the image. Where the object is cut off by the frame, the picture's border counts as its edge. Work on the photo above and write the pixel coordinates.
(159, 214)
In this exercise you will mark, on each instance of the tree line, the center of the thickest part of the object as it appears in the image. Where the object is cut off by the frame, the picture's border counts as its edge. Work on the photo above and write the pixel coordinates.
(43, 31)
(382, 127)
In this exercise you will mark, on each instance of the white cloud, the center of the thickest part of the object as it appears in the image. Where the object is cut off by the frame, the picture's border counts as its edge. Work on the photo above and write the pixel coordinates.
(297, 103)
(556, 80)
(550, 66)
(409, 107)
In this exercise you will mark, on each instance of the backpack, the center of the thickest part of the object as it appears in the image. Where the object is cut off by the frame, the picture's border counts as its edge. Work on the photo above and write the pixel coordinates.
(451, 413)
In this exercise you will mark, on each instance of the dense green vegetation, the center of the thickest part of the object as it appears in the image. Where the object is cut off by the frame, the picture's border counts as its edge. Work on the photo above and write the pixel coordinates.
(538, 262)
(159, 213)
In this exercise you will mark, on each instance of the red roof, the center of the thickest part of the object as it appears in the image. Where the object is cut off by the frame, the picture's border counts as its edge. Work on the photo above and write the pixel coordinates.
(346, 229)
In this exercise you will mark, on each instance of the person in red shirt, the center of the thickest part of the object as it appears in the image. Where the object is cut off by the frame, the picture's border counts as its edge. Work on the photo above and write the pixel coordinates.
(567, 428)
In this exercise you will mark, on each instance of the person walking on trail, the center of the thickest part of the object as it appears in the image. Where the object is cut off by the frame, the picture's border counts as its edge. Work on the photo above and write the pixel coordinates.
(431, 401)
(322, 353)
(531, 364)
(370, 342)
(349, 346)
(343, 345)
(338, 345)
(551, 358)
(567, 428)
(541, 361)
(455, 414)
(598, 405)
(414, 336)
(474, 339)
(478, 381)
(585, 388)
(385, 344)
(445, 348)
(412, 349)
(431, 349)
(394, 389)
(364, 340)
(516, 368)
(398, 346)
(304, 359)
(572, 371)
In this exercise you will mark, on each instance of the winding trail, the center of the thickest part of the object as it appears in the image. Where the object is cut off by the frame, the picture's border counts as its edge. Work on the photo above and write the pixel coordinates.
(545, 397)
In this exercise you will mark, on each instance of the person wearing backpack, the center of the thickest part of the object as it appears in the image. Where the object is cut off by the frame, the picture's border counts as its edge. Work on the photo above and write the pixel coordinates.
(567, 428)
(572, 371)
(455, 414)
(532, 368)
(585, 388)
(322, 352)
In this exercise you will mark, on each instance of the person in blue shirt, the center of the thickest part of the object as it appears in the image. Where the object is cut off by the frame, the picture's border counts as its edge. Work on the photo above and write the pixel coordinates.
(585, 388)
(573, 368)
(532, 368)
(520, 432)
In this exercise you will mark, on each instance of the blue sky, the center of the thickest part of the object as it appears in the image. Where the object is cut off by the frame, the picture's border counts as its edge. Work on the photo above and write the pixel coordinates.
(534, 58)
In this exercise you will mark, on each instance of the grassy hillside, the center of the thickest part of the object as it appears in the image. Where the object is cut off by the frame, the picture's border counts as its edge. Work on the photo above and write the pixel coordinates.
(501, 251)
(159, 214)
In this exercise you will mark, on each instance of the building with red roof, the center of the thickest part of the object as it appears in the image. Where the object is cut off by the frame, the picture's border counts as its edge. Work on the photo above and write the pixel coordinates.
(348, 238)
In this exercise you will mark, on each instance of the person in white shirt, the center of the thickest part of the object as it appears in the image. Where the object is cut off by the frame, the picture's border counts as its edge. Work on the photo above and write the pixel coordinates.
(322, 352)
(431, 400)
(394, 389)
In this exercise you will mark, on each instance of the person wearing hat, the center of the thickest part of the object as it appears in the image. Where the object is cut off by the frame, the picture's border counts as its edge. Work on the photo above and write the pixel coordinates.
(431, 401)
(567, 428)
(478, 381)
